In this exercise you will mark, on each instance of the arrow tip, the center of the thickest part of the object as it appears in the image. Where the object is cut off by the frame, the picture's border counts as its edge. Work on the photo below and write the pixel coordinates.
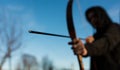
(30, 31)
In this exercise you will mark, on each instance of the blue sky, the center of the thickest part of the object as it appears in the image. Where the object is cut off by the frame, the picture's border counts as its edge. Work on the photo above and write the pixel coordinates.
(50, 16)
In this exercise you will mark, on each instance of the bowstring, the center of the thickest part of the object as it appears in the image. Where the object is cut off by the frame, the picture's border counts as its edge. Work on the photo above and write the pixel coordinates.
(80, 12)
(119, 16)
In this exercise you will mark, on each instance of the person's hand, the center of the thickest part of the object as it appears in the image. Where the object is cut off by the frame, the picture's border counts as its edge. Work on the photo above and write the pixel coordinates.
(78, 47)
(90, 39)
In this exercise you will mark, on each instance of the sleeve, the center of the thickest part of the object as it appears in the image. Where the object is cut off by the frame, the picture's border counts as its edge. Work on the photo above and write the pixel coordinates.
(104, 44)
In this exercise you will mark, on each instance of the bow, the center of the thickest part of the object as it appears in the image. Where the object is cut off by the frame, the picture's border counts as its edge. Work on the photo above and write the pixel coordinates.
(71, 29)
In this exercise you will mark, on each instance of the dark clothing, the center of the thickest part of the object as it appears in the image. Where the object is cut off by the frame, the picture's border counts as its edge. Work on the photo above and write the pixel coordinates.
(105, 50)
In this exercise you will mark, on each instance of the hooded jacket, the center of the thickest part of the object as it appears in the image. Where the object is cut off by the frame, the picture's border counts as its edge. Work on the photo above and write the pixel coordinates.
(105, 50)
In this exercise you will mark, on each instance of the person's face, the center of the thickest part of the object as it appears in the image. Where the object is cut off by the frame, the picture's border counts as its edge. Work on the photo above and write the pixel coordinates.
(93, 19)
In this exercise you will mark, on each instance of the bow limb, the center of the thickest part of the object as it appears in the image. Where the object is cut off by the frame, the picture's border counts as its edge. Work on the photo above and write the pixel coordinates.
(71, 29)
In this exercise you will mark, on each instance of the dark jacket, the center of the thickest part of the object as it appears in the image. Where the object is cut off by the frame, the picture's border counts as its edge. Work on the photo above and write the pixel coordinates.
(105, 50)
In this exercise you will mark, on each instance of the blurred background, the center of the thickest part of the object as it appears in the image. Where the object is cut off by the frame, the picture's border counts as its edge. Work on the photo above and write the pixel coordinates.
(21, 50)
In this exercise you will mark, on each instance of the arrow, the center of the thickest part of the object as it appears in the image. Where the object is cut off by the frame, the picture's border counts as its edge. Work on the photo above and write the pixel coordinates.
(50, 34)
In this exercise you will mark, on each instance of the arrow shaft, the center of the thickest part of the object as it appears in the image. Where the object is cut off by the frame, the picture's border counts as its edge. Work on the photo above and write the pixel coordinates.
(51, 34)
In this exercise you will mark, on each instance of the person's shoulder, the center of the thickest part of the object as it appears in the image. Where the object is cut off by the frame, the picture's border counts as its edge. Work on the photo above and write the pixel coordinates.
(115, 25)
(113, 29)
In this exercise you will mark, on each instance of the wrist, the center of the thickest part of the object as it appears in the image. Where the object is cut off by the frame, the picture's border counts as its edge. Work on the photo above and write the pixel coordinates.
(84, 52)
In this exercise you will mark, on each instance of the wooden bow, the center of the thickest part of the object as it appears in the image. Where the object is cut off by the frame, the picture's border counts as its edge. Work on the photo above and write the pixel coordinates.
(71, 29)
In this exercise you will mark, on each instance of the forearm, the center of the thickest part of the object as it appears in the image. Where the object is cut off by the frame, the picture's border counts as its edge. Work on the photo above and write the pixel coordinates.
(98, 47)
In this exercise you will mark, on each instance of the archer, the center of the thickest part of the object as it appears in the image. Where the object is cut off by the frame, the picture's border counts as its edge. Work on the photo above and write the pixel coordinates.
(104, 46)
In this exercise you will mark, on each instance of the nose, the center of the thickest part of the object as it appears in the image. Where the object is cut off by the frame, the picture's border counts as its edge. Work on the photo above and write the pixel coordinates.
(93, 21)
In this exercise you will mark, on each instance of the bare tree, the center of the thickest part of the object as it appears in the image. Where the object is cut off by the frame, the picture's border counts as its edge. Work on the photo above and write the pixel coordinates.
(29, 62)
(47, 64)
(10, 35)
(18, 66)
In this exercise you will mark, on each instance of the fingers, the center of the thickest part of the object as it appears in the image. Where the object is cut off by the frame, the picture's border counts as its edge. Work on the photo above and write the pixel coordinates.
(89, 39)
(77, 50)
(77, 46)
(75, 41)
(71, 43)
